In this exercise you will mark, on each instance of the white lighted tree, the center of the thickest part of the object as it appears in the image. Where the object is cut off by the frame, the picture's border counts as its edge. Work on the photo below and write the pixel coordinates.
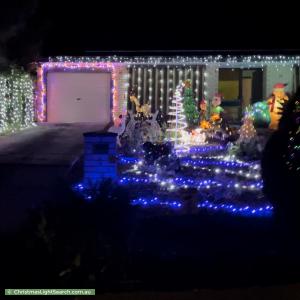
(177, 122)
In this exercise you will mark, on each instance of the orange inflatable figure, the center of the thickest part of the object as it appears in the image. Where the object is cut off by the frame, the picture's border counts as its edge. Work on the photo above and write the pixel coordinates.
(276, 103)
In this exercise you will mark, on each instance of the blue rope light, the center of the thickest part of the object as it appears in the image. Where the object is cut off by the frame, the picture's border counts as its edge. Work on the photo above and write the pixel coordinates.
(263, 210)
(153, 202)
(123, 160)
(246, 210)
(206, 149)
(197, 157)
(214, 162)
(193, 183)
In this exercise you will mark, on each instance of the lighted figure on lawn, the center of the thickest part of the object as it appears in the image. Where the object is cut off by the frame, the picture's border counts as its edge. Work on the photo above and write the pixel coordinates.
(249, 145)
(247, 130)
(203, 109)
(189, 105)
(177, 123)
(141, 127)
(276, 103)
(216, 109)
(217, 127)
(119, 128)
(261, 114)
(144, 109)
(139, 130)
(204, 124)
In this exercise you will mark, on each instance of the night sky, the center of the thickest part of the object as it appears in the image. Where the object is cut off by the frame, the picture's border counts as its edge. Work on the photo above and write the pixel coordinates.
(34, 29)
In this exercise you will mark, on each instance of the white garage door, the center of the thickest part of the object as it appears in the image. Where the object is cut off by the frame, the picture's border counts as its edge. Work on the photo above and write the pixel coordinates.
(78, 97)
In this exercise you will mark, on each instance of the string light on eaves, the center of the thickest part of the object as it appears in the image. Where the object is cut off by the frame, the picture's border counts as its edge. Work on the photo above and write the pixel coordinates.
(257, 61)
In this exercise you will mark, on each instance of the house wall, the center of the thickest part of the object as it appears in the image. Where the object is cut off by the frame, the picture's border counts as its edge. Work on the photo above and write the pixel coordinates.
(156, 85)
(122, 77)
(210, 82)
(275, 74)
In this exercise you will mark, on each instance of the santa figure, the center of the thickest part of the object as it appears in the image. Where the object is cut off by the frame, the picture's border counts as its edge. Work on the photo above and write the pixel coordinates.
(276, 103)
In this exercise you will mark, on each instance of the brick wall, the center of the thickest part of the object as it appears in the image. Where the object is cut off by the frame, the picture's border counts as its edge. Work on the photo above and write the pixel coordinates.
(99, 157)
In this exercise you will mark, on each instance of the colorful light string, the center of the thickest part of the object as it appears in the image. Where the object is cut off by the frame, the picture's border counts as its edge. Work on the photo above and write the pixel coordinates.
(44, 68)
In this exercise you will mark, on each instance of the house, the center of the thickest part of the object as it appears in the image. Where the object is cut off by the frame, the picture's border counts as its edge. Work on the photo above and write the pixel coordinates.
(96, 89)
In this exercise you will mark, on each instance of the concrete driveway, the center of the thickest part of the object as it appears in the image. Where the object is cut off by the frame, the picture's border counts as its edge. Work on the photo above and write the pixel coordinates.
(33, 168)
(45, 144)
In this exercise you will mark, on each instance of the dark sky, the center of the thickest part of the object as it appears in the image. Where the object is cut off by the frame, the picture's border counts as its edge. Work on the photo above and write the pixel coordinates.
(45, 28)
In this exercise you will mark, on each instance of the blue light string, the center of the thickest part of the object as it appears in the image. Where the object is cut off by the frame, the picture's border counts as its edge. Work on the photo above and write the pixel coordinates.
(154, 202)
(123, 160)
(207, 149)
(188, 182)
(193, 183)
(214, 162)
(265, 210)
(246, 210)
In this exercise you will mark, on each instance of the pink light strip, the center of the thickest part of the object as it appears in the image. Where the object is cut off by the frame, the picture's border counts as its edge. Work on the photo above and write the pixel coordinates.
(43, 69)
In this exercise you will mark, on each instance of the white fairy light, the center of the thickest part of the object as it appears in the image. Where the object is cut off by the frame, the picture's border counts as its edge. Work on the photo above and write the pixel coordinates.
(16, 101)
(150, 84)
(178, 124)
(139, 84)
(219, 60)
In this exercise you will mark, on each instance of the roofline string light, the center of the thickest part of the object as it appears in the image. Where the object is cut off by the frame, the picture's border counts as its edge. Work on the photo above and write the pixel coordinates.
(248, 61)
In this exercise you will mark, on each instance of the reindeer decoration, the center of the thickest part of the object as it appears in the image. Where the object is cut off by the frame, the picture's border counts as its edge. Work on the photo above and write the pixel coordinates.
(140, 109)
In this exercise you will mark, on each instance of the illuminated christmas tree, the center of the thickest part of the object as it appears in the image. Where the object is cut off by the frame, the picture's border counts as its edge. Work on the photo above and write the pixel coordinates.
(189, 105)
(177, 123)
(247, 130)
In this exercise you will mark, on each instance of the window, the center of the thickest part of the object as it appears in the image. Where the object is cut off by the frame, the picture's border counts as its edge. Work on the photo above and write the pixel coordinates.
(240, 88)
(229, 83)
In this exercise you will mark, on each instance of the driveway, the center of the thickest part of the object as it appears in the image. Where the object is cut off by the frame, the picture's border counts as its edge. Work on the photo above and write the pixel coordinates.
(33, 168)
(45, 144)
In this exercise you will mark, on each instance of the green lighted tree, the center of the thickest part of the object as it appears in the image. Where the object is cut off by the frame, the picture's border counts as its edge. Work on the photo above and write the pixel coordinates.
(189, 105)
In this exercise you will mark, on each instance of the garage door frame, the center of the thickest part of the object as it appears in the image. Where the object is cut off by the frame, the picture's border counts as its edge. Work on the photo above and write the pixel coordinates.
(88, 72)
(45, 68)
